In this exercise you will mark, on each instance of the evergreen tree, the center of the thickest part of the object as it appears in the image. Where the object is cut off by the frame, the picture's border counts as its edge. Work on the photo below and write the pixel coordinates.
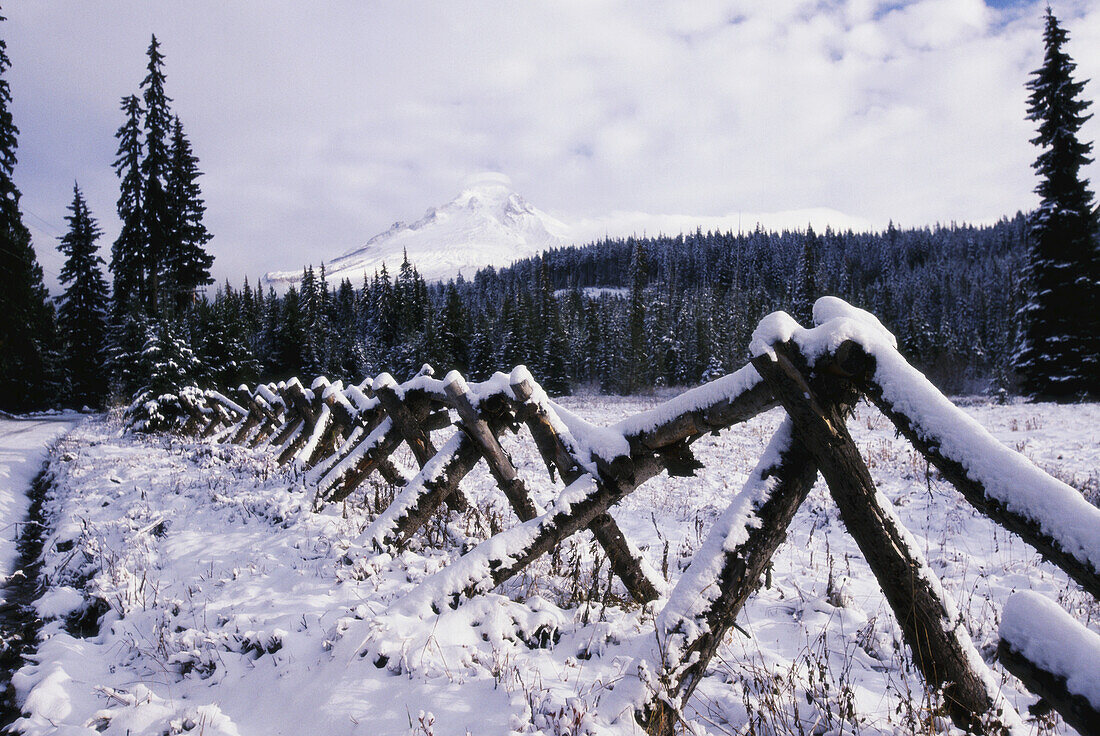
(453, 335)
(82, 316)
(805, 283)
(169, 369)
(127, 261)
(1058, 356)
(186, 262)
(638, 358)
(156, 217)
(29, 371)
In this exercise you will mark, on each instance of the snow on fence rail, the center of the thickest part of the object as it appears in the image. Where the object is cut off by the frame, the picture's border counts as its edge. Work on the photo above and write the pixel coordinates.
(342, 436)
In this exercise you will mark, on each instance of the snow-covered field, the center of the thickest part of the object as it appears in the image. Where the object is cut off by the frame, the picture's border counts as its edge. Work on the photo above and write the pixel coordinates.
(232, 608)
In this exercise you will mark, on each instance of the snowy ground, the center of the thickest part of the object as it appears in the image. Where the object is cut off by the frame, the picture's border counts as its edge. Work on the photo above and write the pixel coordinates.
(232, 608)
(23, 447)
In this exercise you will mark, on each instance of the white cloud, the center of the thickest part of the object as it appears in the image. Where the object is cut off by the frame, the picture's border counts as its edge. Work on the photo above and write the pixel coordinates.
(318, 127)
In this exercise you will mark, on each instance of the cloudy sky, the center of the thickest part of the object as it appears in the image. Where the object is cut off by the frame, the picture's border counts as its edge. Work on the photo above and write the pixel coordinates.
(318, 124)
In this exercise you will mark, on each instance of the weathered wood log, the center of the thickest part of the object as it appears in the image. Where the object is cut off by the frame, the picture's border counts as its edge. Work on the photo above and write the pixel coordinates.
(1054, 655)
(503, 556)
(424, 494)
(219, 419)
(390, 473)
(852, 360)
(344, 478)
(404, 421)
(547, 440)
(313, 448)
(696, 412)
(1075, 710)
(485, 439)
(292, 420)
(196, 419)
(254, 418)
(642, 582)
(359, 425)
(416, 437)
(269, 418)
(304, 408)
(929, 620)
(760, 516)
(430, 489)
(293, 425)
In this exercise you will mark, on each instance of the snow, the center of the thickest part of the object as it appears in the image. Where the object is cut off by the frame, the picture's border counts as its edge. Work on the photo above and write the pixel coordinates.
(24, 445)
(727, 388)
(233, 605)
(1046, 635)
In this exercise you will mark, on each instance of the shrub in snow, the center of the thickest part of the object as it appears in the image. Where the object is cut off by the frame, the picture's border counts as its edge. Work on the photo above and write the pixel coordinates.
(170, 367)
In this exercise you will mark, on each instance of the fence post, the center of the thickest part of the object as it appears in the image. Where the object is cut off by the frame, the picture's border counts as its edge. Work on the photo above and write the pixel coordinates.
(932, 625)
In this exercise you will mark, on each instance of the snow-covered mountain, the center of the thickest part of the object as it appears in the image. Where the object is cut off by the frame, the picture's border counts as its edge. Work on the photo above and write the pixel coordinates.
(487, 224)
(490, 224)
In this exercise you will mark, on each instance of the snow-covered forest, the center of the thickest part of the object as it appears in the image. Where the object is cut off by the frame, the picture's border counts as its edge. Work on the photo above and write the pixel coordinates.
(673, 311)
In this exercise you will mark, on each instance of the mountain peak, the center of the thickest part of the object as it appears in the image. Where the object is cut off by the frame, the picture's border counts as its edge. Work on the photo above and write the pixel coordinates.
(486, 224)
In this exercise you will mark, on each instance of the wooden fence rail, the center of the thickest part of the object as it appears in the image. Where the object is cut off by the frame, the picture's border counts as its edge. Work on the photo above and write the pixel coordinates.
(342, 436)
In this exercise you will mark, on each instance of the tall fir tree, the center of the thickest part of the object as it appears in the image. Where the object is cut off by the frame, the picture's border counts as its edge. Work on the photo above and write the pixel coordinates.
(127, 332)
(156, 217)
(1058, 355)
(127, 264)
(29, 370)
(82, 315)
(186, 262)
(638, 358)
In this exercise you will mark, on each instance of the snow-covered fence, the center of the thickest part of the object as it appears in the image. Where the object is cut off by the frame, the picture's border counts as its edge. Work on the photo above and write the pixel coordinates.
(1055, 656)
(342, 436)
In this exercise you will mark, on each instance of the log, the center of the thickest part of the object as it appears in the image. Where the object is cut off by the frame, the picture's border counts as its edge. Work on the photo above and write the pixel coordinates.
(340, 483)
(641, 581)
(501, 557)
(929, 620)
(696, 413)
(195, 416)
(304, 408)
(424, 494)
(408, 427)
(852, 360)
(1076, 711)
(293, 425)
(403, 420)
(484, 438)
(762, 512)
(477, 438)
(255, 415)
(219, 417)
(506, 554)
(292, 421)
(1054, 655)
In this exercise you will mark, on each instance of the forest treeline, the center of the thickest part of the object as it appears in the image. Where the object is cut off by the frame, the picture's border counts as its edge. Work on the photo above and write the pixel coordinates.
(628, 315)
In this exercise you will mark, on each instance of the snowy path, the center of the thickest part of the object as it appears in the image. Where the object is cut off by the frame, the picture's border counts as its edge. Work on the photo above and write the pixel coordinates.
(23, 446)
